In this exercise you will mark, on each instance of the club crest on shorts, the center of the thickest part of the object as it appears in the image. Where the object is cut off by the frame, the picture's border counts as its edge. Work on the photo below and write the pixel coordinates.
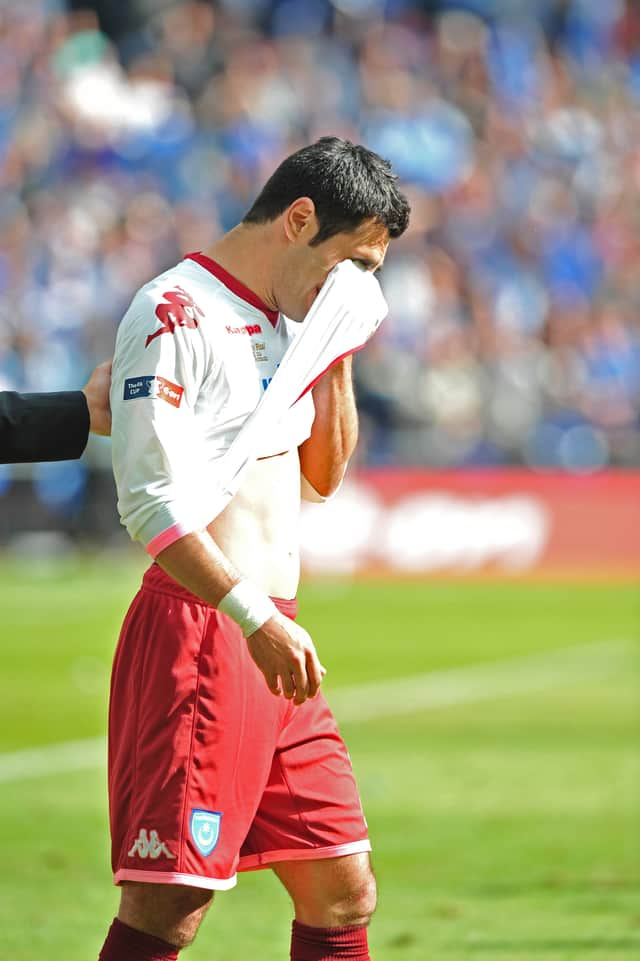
(205, 829)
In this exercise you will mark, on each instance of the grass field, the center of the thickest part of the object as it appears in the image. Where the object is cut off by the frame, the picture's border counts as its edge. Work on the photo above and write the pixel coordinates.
(504, 820)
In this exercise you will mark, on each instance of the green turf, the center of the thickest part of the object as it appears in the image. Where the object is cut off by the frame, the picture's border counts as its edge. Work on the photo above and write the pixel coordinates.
(503, 829)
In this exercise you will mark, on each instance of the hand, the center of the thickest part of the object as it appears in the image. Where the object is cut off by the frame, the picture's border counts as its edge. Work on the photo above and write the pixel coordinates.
(96, 391)
(285, 654)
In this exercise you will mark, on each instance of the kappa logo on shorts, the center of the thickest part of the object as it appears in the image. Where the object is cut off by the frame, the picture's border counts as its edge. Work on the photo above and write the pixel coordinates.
(150, 846)
(205, 829)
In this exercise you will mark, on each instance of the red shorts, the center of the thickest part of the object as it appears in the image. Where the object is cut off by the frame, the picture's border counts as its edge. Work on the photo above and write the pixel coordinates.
(210, 773)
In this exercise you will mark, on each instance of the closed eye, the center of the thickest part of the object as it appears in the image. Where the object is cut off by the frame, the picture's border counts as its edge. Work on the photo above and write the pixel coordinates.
(371, 265)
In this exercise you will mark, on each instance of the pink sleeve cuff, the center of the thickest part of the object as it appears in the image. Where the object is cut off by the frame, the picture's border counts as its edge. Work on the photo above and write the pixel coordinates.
(168, 537)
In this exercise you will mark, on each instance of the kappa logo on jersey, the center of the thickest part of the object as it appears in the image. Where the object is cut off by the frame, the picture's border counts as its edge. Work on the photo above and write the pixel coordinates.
(205, 829)
(179, 311)
(153, 386)
(150, 846)
(249, 329)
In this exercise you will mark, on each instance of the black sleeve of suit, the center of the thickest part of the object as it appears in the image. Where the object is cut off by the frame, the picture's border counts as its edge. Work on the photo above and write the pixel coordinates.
(42, 427)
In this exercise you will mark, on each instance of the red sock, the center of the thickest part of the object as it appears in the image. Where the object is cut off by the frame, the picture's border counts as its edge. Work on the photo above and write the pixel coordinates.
(329, 944)
(126, 944)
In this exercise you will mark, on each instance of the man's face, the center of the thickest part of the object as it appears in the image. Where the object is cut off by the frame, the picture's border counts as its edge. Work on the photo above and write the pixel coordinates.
(305, 268)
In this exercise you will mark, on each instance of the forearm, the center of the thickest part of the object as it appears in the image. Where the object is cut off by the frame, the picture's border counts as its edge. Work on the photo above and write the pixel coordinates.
(196, 562)
(325, 454)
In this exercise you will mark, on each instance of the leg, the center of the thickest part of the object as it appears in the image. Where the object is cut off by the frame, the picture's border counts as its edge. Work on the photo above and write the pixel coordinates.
(311, 806)
(334, 899)
(155, 921)
(332, 892)
(181, 803)
(172, 912)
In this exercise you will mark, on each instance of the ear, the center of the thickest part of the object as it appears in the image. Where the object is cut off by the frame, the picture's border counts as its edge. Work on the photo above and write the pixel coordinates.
(299, 220)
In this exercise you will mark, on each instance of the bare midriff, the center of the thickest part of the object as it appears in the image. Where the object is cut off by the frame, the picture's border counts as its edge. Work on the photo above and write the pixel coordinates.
(258, 530)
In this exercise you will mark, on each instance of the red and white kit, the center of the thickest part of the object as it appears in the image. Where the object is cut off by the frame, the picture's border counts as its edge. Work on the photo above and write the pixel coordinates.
(194, 354)
(209, 773)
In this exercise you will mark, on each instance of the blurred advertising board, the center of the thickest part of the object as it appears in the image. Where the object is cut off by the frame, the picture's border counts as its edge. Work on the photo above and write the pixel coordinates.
(506, 522)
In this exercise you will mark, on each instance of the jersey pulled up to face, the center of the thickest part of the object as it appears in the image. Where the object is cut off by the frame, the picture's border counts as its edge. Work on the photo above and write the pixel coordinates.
(194, 354)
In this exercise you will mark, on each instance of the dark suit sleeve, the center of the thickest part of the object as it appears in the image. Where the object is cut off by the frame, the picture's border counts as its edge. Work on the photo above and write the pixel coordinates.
(42, 427)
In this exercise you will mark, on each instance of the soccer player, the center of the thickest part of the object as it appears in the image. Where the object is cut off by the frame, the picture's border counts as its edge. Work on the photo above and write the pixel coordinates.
(54, 426)
(212, 770)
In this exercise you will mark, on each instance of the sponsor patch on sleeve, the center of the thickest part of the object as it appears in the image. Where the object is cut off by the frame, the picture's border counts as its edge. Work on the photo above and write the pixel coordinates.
(155, 387)
(172, 393)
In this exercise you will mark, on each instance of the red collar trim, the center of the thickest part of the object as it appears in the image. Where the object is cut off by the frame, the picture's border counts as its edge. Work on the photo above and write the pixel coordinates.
(234, 285)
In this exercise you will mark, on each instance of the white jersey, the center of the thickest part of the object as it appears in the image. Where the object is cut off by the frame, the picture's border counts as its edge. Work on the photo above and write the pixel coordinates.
(194, 354)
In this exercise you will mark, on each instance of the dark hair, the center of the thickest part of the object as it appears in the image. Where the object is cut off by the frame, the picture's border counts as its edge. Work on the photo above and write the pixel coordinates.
(347, 182)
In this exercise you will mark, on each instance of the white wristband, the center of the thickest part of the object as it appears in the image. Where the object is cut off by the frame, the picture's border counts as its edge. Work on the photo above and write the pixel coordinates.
(248, 606)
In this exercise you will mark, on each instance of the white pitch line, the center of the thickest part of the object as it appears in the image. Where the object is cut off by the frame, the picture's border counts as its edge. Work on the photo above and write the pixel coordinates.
(61, 758)
(377, 699)
(482, 682)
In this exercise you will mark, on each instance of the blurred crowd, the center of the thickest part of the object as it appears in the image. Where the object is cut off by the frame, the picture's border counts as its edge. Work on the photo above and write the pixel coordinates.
(513, 334)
